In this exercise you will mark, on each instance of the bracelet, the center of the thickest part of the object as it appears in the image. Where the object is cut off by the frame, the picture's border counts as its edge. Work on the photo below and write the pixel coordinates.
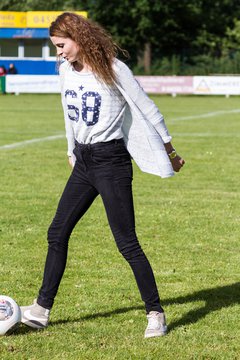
(172, 154)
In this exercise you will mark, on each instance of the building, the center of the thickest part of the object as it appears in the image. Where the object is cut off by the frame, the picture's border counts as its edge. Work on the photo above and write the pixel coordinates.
(24, 41)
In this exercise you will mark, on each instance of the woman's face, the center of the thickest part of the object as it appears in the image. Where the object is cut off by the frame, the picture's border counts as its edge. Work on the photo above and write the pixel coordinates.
(66, 48)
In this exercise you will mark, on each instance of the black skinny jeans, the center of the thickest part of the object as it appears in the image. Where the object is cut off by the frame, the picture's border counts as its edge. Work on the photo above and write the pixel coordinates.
(105, 169)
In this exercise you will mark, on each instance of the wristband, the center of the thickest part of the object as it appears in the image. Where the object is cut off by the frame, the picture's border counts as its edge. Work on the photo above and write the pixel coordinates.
(172, 154)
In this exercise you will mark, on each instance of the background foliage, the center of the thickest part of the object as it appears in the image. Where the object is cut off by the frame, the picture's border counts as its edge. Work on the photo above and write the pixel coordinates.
(163, 37)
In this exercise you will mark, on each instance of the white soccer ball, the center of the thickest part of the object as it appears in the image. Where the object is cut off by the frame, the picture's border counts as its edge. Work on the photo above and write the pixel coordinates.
(10, 315)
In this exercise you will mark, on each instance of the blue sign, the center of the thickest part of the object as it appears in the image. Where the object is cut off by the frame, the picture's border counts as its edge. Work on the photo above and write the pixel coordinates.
(26, 33)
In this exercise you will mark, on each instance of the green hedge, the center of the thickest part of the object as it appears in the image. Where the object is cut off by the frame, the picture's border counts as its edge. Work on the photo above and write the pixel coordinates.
(197, 65)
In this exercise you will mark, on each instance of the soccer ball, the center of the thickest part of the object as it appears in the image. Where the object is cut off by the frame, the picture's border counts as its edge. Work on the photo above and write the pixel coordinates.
(10, 315)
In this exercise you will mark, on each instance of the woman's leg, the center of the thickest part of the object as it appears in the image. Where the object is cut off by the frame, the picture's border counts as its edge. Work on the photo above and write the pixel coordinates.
(77, 196)
(114, 183)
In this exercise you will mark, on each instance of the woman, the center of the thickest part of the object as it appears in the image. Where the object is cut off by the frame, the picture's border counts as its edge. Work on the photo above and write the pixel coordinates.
(107, 115)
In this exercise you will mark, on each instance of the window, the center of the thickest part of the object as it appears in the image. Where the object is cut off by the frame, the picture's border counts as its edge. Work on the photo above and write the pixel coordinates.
(33, 47)
(9, 47)
(52, 49)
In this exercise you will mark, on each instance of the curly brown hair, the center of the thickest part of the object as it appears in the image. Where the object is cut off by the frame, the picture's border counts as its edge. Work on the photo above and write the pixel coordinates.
(97, 48)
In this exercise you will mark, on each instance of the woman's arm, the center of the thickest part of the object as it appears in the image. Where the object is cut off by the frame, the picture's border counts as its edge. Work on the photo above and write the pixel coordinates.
(68, 123)
(149, 109)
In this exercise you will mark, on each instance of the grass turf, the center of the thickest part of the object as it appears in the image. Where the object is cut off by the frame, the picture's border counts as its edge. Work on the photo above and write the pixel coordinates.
(187, 225)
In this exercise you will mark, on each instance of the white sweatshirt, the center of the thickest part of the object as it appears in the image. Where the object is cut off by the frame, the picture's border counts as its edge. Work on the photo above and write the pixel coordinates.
(95, 113)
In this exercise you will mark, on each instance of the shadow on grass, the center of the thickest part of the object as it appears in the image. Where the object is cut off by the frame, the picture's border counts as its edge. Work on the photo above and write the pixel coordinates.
(214, 298)
(22, 330)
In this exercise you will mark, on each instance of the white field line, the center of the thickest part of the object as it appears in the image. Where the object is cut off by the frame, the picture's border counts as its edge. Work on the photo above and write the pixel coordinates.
(207, 115)
(54, 137)
(207, 134)
(31, 141)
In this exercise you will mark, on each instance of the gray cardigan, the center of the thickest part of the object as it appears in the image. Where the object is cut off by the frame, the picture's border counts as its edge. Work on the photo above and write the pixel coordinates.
(144, 128)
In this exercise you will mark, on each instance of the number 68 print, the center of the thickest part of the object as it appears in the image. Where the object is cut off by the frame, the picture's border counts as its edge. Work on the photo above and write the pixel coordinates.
(90, 109)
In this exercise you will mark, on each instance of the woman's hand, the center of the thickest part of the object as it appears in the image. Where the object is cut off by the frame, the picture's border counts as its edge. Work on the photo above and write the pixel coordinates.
(177, 163)
(70, 161)
(176, 160)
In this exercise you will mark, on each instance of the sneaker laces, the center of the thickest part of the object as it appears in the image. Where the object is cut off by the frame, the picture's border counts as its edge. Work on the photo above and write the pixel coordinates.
(153, 320)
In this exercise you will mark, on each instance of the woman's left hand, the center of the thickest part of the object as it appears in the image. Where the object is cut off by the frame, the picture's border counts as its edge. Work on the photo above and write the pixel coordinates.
(177, 163)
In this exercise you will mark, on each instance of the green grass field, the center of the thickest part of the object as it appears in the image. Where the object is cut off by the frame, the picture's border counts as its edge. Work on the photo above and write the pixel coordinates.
(188, 226)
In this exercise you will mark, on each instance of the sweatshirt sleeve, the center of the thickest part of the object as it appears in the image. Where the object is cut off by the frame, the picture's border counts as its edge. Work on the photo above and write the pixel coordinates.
(148, 108)
(68, 123)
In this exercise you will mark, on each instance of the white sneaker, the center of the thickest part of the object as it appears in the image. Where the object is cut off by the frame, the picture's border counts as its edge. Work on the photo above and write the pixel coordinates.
(35, 316)
(156, 324)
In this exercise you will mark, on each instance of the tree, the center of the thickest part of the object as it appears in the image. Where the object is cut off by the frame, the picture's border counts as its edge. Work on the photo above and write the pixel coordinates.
(31, 5)
(146, 27)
